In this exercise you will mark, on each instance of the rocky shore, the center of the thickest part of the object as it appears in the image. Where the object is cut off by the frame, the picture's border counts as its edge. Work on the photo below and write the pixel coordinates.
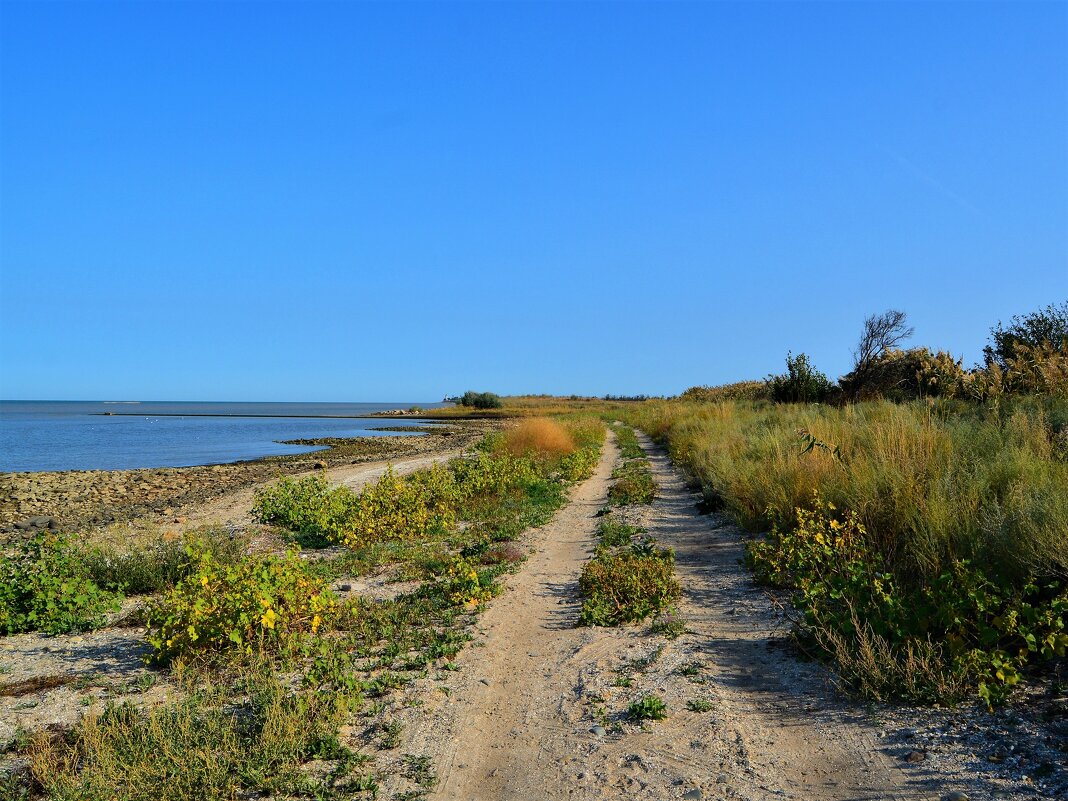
(80, 499)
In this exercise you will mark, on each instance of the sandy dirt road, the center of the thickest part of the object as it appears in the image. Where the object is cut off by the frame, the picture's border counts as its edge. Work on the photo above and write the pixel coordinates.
(536, 709)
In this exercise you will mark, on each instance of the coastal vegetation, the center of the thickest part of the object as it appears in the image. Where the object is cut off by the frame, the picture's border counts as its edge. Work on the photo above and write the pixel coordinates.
(269, 660)
(923, 531)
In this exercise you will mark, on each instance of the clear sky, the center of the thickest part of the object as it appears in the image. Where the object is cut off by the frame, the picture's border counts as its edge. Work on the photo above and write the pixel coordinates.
(346, 202)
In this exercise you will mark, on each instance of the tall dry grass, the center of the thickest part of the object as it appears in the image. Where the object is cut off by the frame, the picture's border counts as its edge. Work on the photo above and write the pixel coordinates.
(931, 481)
(540, 436)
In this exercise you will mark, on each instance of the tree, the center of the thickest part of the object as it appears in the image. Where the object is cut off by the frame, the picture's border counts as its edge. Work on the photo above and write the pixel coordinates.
(1045, 326)
(882, 333)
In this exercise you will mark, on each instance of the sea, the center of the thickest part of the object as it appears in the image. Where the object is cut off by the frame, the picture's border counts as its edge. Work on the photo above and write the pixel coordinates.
(122, 435)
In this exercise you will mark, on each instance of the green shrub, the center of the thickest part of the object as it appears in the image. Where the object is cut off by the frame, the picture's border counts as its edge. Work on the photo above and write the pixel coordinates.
(880, 632)
(801, 383)
(633, 484)
(305, 505)
(481, 400)
(649, 707)
(46, 586)
(255, 602)
(626, 587)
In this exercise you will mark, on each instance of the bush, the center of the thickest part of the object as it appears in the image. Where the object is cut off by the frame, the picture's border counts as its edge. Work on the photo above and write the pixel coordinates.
(481, 400)
(396, 508)
(46, 586)
(538, 436)
(256, 602)
(880, 631)
(626, 587)
(463, 585)
(391, 508)
(801, 383)
(1046, 327)
(303, 505)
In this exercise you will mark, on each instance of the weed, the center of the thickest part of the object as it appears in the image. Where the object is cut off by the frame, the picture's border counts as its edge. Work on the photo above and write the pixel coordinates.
(614, 533)
(255, 602)
(649, 707)
(699, 705)
(390, 734)
(669, 625)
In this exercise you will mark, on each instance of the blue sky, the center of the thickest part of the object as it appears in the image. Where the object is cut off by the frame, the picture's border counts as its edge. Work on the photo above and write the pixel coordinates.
(348, 202)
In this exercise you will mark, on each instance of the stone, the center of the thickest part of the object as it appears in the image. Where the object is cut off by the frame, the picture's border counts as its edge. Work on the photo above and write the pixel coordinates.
(600, 731)
(955, 796)
(692, 794)
(915, 756)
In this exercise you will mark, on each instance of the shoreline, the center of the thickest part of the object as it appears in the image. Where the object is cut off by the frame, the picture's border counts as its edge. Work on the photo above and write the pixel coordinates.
(88, 499)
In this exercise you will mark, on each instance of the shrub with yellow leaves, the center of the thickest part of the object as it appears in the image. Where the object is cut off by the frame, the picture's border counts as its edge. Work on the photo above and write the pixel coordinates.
(255, 602)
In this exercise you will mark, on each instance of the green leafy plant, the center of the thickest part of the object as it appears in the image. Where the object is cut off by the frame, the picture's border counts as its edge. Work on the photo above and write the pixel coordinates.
(853, 605)
(46, 586)
(649, 707)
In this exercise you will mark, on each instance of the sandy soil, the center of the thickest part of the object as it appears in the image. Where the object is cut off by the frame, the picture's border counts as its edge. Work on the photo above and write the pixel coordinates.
(539, 710)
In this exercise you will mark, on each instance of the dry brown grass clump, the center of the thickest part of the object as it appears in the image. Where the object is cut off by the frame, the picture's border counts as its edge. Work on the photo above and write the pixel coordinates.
(539, 435)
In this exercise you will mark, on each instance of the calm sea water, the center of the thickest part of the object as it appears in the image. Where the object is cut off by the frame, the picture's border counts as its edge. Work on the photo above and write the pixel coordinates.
(77, 435)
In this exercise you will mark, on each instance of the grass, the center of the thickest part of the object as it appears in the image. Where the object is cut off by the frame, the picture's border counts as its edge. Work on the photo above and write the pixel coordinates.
(204, 746)
(614, 533)
(931, 482)
(925, 543)
(539, 435)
